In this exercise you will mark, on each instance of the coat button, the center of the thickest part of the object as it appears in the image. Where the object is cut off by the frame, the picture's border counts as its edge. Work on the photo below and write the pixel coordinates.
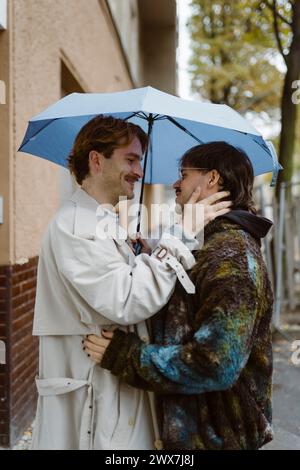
(131, 422)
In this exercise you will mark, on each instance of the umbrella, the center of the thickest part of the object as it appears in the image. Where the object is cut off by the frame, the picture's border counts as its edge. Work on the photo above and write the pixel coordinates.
(172, 124)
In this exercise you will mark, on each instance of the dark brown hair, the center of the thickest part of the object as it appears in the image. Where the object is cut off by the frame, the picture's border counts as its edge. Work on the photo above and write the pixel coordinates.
(103, 134)
(232, 164)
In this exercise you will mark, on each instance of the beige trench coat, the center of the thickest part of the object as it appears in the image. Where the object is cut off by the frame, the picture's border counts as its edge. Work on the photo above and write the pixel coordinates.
(85, 283)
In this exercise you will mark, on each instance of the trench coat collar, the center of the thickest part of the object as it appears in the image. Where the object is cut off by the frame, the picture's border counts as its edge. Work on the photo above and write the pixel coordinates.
(86, 213)
(82, 198)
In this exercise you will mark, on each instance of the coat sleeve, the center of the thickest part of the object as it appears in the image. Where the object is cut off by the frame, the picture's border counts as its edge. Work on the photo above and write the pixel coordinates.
(212, 360)
(123, 294)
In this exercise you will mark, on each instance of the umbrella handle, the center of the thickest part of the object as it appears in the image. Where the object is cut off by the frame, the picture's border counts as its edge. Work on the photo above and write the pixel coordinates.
(150, 127)
(137, 248)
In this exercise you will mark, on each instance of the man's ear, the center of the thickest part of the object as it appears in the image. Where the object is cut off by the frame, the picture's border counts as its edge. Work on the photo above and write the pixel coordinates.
(95, 162)
(214, 179)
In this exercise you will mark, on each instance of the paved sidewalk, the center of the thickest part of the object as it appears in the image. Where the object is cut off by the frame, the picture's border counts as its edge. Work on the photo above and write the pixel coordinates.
(25, 442)
(286, 395)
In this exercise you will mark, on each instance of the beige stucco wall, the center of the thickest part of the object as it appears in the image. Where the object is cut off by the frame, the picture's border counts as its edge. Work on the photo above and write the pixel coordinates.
(126, 18)
(151, 24)
(44, 31)
(5, 130)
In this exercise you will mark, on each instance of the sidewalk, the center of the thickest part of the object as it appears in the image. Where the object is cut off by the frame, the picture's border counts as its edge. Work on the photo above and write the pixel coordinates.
(286, 395)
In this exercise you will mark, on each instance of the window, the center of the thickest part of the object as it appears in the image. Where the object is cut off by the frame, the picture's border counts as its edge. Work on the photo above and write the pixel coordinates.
(69, 84)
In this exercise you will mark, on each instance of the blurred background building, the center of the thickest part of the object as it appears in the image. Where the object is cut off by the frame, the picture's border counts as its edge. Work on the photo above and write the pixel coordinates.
(49, 49)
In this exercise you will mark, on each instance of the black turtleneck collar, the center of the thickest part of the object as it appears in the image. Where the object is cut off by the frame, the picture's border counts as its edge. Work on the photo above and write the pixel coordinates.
(256, 225)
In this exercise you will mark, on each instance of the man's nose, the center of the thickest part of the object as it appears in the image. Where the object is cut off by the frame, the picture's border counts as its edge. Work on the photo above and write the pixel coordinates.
(138, 170)
(176, 184)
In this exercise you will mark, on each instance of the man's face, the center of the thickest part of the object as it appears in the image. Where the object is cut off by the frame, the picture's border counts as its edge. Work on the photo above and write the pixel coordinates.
(189, 181)
(122, 170)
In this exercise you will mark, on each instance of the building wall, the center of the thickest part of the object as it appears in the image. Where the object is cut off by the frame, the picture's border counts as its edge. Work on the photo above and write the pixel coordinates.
(148, 34)
(163, 39)
(4, 368)
(22, 364)
(5, 132)
(50, 48)
(158, 37)
(17, 384)
(49, 32)
(126, 18)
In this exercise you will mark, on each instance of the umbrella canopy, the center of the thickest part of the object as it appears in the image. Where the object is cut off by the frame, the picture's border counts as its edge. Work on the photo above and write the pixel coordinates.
(174, 125)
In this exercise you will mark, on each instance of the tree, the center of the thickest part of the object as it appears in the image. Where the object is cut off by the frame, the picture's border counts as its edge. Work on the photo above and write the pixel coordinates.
(286, 25)
(236, 46)
(232, 56)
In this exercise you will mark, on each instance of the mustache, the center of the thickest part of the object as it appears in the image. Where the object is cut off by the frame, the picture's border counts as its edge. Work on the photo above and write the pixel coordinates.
(132, 179)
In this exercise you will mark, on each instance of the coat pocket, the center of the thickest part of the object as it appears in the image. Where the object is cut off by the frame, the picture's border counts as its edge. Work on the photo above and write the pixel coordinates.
(58, 386)
(55, 431)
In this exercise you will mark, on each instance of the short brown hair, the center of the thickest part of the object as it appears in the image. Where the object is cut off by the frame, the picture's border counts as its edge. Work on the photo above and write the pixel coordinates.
(103, 134)
(232, 164)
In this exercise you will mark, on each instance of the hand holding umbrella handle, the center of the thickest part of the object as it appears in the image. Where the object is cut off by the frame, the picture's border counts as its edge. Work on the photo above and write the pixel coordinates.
(138, 248)
(140, 245)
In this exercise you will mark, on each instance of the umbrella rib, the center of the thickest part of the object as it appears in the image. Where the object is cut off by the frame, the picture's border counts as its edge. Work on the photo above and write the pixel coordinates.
(161, 118)
(40, 130)
(265, 148)
(144, 115)
(262, 145)
(131, 115)
(157, 117)
(180, 126)
(139, 114)
(276, 168)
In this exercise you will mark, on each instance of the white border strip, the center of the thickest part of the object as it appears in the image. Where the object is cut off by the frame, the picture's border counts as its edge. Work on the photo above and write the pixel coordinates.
(3, 14)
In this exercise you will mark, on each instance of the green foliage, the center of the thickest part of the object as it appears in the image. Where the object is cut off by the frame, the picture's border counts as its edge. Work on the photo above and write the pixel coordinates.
(297, 150)
(238, 48)
(265, 10)
(234, 55)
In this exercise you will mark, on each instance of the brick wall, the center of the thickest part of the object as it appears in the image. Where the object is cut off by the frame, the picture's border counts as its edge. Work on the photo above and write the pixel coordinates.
(17, 386)
(4, 375)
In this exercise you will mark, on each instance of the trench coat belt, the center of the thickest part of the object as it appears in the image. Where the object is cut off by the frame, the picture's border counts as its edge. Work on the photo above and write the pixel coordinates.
(61, 385)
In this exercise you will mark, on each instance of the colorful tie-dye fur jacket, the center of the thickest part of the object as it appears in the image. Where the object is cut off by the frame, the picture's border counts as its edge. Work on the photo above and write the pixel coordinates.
(210, 361)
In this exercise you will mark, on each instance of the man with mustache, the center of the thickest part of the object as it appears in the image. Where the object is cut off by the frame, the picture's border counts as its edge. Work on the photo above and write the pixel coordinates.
(210, 359)
(88, 279)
